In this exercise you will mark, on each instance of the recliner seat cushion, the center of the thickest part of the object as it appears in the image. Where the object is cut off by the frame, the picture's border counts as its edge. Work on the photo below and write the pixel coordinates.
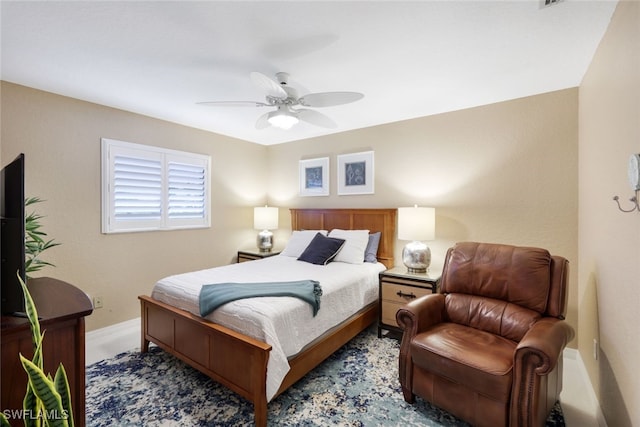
(480, 360)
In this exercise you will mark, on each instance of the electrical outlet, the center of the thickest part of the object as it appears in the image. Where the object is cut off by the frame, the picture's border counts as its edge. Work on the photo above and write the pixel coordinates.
(596, 349)
(97, 302)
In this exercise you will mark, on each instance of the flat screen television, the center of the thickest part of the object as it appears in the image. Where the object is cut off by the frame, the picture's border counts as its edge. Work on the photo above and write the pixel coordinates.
(12, 251)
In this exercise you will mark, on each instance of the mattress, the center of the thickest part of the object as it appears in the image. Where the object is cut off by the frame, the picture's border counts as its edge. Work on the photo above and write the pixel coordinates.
(286, 323)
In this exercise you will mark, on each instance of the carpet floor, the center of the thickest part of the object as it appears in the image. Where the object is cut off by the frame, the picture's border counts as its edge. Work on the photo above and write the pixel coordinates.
(356, 386)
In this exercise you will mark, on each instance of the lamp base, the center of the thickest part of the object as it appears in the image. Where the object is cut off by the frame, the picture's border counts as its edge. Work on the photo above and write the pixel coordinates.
(265, 241)
(416, 256)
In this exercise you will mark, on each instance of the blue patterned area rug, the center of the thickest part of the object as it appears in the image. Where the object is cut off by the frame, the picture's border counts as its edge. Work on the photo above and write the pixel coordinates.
(357, 386)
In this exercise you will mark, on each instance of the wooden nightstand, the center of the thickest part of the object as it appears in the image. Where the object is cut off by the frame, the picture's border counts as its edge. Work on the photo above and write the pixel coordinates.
(250, 255)
(398, 287)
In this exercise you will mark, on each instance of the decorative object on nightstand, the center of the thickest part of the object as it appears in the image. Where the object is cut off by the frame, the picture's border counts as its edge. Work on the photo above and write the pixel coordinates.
(398, 287)
(417, 224)
(265, 219)
(252, 255)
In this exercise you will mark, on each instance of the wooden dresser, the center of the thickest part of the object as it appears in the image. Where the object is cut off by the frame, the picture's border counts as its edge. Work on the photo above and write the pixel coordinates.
(62, 308)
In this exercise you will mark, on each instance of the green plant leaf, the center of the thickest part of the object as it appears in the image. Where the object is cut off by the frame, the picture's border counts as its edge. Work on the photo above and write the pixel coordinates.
(32, 315)
(31, 406)
(36, 239)
(50, 244)
(37, 353)
(31, 200)
(45, 391)
(62, 387)
(4, 422)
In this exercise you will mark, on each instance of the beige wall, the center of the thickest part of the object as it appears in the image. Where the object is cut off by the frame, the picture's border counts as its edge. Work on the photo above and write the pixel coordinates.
(61, 141)
(505, 173)
(609, 277)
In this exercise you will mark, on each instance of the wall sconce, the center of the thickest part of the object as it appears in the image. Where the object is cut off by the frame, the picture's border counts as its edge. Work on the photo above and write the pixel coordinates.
(265, 219)
(634, 180)
(416, 224)
(634, 207)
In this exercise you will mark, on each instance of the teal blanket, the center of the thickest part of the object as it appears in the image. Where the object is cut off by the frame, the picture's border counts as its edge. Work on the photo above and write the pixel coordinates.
(213, 296)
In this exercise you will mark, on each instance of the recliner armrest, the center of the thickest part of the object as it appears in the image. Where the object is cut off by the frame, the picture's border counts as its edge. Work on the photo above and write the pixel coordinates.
(414, 317)
(421, 313)
(546, 339)
(535, 358)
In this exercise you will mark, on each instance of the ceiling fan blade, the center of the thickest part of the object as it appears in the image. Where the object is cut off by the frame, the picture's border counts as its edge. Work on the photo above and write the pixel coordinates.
(263, 121)
(329, 99)
(268, 85)
(315, 118)
(234, 104)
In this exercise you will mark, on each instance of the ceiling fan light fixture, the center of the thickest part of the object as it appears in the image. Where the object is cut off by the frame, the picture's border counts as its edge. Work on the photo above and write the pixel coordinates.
(282, 96)
(282, 119)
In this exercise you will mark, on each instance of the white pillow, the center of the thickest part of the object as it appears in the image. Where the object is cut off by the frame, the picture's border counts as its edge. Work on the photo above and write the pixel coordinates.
(354, 246)
(299, 241)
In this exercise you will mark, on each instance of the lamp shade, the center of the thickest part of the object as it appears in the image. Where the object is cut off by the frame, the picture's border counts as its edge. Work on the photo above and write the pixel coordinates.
(265, 218)
(283, 119)
(416, 223)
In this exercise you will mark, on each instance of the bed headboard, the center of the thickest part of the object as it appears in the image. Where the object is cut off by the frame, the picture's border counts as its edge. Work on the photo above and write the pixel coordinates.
(374, 220)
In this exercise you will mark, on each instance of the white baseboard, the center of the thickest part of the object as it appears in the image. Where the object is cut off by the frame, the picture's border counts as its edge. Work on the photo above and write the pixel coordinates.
(592, 395)
(579, 402)
(112, 340)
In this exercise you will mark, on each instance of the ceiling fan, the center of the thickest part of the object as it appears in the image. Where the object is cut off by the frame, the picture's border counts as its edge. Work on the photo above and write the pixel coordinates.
(284, 98)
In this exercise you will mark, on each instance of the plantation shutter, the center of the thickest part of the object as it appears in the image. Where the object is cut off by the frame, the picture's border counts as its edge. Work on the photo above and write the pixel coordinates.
(137, 188)
(148, 188)
(186, 191)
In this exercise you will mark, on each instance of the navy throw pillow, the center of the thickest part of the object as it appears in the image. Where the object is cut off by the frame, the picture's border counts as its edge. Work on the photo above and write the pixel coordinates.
(321, 250)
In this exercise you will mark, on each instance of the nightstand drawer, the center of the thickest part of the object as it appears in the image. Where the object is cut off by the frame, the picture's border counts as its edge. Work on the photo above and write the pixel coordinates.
(402, 294)
(388, 314)
(244, 256)
(397, 287)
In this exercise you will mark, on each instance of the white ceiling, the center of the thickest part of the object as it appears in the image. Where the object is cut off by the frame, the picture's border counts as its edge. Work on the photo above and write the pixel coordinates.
(409, 59)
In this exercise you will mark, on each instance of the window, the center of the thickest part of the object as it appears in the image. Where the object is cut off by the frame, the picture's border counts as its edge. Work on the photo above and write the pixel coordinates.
(149, 188)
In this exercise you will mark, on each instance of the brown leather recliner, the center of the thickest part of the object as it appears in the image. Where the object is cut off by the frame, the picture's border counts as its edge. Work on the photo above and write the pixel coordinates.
(488, 346)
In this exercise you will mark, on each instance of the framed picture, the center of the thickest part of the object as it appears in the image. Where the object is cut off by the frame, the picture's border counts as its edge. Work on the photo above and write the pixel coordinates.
(355, 173)
(314, 177)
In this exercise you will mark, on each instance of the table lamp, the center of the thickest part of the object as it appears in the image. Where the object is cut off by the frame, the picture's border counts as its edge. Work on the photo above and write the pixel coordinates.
(416, 224)
(265, 219)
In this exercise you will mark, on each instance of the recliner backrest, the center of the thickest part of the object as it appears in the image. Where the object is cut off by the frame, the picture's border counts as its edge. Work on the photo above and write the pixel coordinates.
(502, 289)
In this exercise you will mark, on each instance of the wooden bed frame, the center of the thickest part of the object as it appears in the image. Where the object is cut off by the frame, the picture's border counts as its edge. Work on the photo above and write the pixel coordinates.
(239, 362)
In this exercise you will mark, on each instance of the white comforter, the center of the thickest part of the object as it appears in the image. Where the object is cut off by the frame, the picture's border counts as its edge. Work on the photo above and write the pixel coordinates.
(286, 323)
